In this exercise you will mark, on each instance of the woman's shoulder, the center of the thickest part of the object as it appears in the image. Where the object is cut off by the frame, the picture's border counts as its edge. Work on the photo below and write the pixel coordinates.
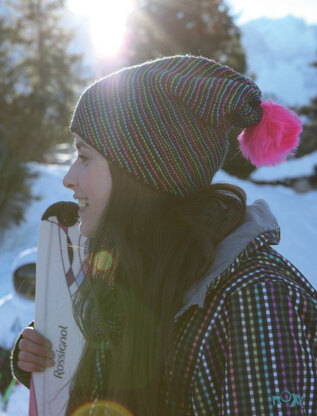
(264, 280)
(264, 268)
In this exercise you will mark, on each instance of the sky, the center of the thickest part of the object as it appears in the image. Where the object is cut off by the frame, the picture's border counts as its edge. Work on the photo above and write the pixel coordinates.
(253, 9)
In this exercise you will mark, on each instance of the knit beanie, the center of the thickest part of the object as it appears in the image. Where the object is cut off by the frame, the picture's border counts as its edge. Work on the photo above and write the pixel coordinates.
(166, 122)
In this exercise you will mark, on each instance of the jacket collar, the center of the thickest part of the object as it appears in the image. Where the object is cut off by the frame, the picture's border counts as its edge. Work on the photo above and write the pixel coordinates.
(259, 225)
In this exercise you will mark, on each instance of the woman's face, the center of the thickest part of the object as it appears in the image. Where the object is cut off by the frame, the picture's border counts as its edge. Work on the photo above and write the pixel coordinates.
(89, 178)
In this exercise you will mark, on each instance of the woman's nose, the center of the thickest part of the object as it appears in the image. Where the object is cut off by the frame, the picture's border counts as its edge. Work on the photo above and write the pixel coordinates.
(69, 180)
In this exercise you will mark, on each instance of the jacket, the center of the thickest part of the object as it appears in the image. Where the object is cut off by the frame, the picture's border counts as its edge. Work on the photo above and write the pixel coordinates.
(246, 338)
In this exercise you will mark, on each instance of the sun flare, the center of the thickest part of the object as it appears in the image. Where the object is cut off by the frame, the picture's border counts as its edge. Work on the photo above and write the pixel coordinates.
(107, 22)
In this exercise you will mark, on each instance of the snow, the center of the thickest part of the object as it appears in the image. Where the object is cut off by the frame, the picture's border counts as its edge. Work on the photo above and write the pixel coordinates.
(293, 168)
(246, 10)
(297, 217)
(296, 214)
(48, 187)
(280, 53)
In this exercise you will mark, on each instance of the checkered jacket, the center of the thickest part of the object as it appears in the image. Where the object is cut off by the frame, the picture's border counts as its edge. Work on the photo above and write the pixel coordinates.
(251, 350)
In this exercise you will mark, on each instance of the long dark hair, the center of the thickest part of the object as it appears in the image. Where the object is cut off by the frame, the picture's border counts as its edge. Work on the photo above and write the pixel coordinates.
(148, 250)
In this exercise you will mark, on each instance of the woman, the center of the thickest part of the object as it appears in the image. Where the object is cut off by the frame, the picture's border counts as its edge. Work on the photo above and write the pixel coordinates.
(195, 313)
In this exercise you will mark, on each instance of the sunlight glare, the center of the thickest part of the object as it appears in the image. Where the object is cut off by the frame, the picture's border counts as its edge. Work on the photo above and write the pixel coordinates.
(102, 407)
(107, 22)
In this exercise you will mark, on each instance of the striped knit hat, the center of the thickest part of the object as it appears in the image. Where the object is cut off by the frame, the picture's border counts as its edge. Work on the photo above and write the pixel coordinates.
(165, 122)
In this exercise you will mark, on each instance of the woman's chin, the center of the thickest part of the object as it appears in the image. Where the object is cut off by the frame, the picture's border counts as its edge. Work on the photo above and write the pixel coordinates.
(85, 230)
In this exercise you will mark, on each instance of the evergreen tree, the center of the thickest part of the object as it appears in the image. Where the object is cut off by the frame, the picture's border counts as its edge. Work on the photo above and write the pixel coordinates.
(38, 81)
(47, 76)
(15, 191)
(199, 27)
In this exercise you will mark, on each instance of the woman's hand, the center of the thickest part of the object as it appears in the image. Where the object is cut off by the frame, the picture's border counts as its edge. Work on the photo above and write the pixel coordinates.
(35, 352)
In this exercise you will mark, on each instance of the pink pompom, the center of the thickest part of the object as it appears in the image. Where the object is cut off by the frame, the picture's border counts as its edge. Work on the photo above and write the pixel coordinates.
(275, 137)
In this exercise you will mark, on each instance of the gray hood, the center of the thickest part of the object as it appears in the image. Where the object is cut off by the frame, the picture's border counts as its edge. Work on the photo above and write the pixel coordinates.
(258, 219)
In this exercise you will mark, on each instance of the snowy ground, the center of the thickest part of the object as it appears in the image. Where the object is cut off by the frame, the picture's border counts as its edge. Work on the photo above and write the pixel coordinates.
(294, 168)
(48, 186)
(296, 213)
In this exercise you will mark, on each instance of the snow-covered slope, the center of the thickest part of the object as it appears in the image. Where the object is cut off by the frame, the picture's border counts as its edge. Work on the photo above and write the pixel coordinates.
(48, 187)
(279, 54)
